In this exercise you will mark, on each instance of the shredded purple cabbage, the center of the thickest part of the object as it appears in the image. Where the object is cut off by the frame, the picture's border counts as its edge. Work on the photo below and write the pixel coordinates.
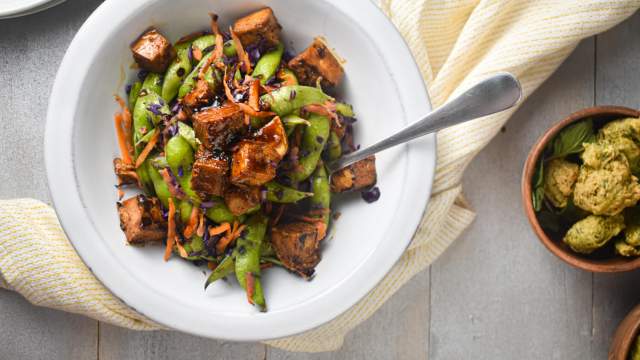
(173, 130)
(180, 171)
(127, 89)
(155, 109)
(371, 195)
(208, 204)
(190, 53)
(142, 74)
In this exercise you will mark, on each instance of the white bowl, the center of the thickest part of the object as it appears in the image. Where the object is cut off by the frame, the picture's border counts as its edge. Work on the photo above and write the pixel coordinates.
(382, 82)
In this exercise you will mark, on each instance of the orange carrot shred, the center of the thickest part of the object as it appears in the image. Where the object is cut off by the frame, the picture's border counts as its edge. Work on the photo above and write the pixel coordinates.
(193, 223)
(122, 141)
(201, 227)
(250, 111)
(227, 90)
(147, 149)
(254, 95)
(183, 253)
(265, 266)
(217, 52)
(251, 283)
(197, 53)
(242, 55)
(219, 229)
(211, 265)
(171, 231)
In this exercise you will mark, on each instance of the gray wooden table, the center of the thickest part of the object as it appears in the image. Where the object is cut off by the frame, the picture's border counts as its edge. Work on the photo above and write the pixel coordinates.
(495, 294)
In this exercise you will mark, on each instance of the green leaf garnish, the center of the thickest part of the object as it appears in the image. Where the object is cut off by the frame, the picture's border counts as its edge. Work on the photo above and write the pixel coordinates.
(569, 141)
(537, 196)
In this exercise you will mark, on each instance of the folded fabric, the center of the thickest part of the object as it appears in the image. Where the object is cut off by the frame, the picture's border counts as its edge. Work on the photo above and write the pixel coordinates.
(456, 43)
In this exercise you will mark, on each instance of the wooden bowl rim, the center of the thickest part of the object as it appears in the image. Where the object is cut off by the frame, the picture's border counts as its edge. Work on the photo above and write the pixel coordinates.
(625, 335)
(573, 259)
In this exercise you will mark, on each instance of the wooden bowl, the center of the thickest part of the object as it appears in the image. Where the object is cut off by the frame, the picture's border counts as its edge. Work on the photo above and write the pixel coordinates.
(625, 336)
(556, 246)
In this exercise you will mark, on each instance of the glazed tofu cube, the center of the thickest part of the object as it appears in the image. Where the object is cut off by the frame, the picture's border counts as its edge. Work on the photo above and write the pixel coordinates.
(141, 220)
(297, 246)
(315, 62)
(210, 173)
(216, 127)
(152, 51)
(274, 134)
(200, 96)
(239, 200)
(254, 163)
(260, 26)
(357, 176)
(126, 173)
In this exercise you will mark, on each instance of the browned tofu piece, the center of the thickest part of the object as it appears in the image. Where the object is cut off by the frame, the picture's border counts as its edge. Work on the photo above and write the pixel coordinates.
(297, 246)
(357, 176)
(274, 134)
(200, 96)
(260, 26)
(126, 173)
(317, 61)
(239, 199)
(210, 173)
(141, 220)
(254, 163)
(152, 51)
(216, 127)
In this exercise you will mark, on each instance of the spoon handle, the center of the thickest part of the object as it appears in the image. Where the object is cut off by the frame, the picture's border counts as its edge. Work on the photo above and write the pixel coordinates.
(495, 94)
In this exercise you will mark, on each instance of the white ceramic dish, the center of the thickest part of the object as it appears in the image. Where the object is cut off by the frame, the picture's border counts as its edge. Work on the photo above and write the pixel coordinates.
(17, 8)
(382, 82)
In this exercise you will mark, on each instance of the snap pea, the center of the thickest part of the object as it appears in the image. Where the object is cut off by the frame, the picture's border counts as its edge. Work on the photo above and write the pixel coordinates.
(321, 199)
(133, 94)
(224, 268)
(287, 99)
(188, 134)
(248, 258)
(176, 72)
(144, 119)
(283, 194)
(184, 209)
(153, 83)
(344, 109)
(159, 162)
(313, 141)
(205, 43)
(268, 64)
(145, 179)
(334, 148)
(220, 213)
(185, 184)
(196, 244)
(161, 188)
(229, 49)
(179, 154)
(291, 121)
(211, 77)
(287, 77)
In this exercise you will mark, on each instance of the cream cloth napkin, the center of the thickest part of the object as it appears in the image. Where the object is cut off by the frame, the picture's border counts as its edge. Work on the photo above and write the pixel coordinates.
(456, 43)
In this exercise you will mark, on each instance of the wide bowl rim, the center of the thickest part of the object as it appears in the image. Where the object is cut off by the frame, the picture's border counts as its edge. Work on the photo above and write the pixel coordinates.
(626, 333)
(569, 257)
(63, 185)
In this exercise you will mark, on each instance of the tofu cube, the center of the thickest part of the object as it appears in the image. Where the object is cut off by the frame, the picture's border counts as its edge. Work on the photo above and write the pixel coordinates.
(315, 62)
(152, 51)
(239, 200)
(216, 127)
(210, 174)
(141, 220)
(126, 173)
(260, 26)
(200, 96)
(297, 246)
(254, 163)
(357, 176)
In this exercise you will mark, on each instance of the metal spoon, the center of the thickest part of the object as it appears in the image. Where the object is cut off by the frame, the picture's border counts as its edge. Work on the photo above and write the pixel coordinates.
(495, 94)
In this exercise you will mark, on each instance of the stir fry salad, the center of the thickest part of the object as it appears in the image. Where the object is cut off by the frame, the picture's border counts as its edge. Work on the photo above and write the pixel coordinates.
(226, 134)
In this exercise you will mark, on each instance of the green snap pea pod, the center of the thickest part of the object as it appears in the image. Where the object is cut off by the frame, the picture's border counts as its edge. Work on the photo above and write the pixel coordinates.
(224, 268)
(266, 249)
(133, 94)
(145, 178)
(144, 119)
(188, 134)
(321, 198)
(283, 194)
(313, 141)
(248, 258)
(220, 213)
(153, 83)
(334, 148)
(184, 208)
(345, 109)
(229, 49)
(291, 121)
(176, 72)
(196, 244)
(147, 137)
(268, 64)
(287, 99)
(205, 43)
(190, 81)
(161, 188)
(179, 154)
(159, 162)
(185, 184)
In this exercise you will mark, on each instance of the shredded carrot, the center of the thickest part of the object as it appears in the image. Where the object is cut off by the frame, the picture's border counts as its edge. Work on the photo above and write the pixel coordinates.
(242, 55)
(287, 79)
(227, 90)
(308, 219)
(126, 157)
(197, 53)
(201, 225)
(218, 50)
(250, 111)
(147, 149)
(247, 119)
(232, 234)
(211, 265)
(220, 229)
(319, 211)
(173, 189)
(265, 266)
(251, 283)
(183, 253)
(322, 229)
(322, 110)
(171, 231)
(254, 95)
(193, 222)
(214, 23)
(205, 68)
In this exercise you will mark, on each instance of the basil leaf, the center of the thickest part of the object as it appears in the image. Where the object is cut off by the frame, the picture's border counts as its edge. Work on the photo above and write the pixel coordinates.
(569, 141)
(188, 134)
(537, 196)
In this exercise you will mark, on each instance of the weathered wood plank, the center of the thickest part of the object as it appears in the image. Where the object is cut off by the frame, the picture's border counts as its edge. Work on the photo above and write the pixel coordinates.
(399, 330)
(122, 344)
(617, 83)
(497, 292)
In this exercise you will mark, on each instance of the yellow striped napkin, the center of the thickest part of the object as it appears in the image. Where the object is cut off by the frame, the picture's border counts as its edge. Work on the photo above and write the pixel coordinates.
(456, 44)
